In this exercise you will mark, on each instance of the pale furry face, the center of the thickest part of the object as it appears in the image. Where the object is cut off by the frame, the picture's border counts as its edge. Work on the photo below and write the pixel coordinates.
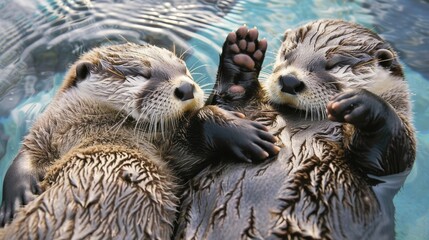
(323, 58)
(147, 83)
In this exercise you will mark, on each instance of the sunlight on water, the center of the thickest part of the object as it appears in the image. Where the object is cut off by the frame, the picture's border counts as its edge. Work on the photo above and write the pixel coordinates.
(41, 38)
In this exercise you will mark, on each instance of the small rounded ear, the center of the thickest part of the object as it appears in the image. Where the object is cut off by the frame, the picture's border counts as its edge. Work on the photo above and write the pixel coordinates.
(286, 33)
(82, 71)
(384, 57)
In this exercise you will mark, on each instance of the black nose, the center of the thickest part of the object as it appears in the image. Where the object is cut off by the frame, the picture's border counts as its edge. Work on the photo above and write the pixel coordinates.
(185, 91)
(291, 84)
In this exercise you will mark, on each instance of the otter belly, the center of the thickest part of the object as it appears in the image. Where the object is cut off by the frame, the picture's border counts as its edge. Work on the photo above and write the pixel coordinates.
(309, 191)
(101, 193)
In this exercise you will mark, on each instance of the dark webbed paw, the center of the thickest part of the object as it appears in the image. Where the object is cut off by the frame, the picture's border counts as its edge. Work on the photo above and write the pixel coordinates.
(244, 49)
(380, 145)
(19, 188)
(246, 140)
(361, 108)
(240, 63)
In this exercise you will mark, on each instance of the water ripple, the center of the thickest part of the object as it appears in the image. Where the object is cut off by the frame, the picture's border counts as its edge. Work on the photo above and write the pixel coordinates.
(46, 36)
(40, 38)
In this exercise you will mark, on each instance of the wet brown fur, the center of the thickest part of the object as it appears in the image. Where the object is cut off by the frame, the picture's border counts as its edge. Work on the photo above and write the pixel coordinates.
(90, 191)
(312, 190)
(115, 145)
(103, 178)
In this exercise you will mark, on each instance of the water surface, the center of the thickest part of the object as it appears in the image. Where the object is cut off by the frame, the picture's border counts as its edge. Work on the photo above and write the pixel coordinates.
(41, 38)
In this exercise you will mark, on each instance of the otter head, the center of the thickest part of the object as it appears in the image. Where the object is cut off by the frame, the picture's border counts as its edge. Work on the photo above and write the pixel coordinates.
(325, 57)
(145, 82)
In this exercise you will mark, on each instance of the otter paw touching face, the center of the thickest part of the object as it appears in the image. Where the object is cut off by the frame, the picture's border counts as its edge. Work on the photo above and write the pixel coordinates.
(361, 108)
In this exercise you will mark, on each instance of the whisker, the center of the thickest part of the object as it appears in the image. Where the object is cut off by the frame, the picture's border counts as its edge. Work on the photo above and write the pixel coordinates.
(206, 84)
(197, 73)
(193, 65)
(272, 52)
(266, 66)
(115, 128)
(193, 69)
(201, 80)
(183, 53)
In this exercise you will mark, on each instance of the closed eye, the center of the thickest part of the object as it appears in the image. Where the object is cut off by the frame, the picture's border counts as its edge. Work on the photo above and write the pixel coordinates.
(138, 79)
(346, 60)
(336, 61)
(133, 71)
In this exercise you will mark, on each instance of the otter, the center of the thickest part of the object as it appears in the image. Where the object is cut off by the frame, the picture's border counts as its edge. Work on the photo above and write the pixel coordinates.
(126, 129)
(338, 101)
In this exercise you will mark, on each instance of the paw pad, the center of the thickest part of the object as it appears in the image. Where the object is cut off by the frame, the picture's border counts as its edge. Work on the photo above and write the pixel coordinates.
(246, 50)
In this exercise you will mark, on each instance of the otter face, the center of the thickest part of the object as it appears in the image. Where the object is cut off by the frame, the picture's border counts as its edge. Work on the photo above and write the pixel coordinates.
(325, 57)
(145, 82)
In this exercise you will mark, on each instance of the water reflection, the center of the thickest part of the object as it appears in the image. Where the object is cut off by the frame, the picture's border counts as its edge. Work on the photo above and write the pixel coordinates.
(41, 38)
(406, 25)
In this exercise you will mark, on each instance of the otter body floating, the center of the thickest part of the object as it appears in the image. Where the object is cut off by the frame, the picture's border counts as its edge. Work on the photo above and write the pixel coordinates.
(338, 101)
(127, 127)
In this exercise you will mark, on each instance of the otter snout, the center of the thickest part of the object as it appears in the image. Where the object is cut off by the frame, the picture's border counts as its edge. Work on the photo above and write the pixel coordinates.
(185, 91)
(291, 84)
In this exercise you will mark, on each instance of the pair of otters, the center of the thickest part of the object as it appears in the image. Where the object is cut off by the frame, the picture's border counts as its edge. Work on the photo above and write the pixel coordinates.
(129, 127)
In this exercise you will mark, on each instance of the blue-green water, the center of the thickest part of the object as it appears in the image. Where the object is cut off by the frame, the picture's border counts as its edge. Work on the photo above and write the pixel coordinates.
(39, 39)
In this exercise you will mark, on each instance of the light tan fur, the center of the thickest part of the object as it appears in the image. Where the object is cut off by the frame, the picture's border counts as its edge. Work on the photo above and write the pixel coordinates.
(103, 152)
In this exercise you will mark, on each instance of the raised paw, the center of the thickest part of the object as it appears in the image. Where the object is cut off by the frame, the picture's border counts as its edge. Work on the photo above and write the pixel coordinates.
(244, 49)
(361, 108)
(240, 63)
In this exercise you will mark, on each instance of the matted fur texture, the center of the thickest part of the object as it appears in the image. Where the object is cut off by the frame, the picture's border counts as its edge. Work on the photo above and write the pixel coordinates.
(337, 173)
